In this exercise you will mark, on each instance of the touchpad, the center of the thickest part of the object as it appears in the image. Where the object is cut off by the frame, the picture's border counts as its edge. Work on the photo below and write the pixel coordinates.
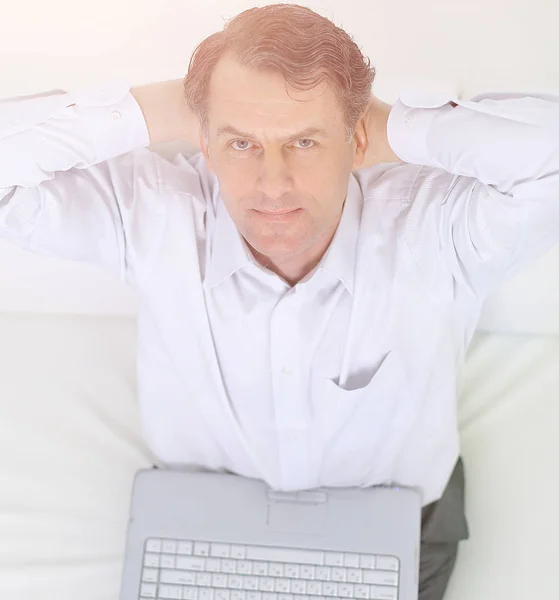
(297, 517)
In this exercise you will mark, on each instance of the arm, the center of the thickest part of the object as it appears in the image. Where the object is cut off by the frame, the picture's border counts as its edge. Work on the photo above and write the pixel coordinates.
(501, 209)
(166, 113)
(60, 192)
(376, 119)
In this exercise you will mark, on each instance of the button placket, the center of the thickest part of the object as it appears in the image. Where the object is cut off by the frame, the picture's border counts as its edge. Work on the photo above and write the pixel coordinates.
(288, 403)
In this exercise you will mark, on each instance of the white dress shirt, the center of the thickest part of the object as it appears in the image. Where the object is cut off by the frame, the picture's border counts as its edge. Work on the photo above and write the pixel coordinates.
(351, 376)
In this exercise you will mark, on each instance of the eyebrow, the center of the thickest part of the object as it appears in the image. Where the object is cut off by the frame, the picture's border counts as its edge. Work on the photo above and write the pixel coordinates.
(309, 131)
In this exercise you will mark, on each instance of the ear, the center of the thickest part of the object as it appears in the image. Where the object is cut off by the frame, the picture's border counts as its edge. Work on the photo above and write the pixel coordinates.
(206, 151)
(360, 142)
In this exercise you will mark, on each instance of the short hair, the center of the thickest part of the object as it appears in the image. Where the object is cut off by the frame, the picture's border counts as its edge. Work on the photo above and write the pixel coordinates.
(305, 47)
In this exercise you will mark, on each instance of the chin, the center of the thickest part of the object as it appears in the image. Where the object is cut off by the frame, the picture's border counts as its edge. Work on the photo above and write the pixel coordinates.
(277, 248)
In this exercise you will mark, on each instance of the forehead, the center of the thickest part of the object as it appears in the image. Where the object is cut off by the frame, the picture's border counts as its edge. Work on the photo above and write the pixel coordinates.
(256, 99)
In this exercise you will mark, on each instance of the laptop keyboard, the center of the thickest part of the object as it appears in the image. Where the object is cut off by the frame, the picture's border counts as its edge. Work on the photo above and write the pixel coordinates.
(195, 570)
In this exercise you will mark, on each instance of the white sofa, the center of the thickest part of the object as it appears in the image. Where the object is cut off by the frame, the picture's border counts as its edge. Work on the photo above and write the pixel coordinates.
(70, 443)
(70, 439)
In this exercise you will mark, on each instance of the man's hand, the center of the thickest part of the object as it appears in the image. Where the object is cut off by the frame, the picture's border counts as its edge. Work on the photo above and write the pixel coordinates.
(376, 120)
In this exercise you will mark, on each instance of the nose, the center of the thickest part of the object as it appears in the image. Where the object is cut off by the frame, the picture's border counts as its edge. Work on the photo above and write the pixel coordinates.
(274, 179)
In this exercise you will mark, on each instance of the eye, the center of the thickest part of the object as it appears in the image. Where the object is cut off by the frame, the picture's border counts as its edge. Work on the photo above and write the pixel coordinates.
(245, 144)
(242, 142)
(307, 147)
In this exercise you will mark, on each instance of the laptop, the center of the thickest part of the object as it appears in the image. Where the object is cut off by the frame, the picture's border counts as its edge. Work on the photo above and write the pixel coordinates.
(214, 536)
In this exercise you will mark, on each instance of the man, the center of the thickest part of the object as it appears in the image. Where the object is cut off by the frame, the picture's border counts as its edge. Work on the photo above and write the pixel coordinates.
(309, 283)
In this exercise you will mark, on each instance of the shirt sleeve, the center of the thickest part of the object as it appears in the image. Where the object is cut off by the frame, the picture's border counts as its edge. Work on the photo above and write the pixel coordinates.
(501, 210)
(66, 180)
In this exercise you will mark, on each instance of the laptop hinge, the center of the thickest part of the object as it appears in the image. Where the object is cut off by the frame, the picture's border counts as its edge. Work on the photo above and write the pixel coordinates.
(306, 496)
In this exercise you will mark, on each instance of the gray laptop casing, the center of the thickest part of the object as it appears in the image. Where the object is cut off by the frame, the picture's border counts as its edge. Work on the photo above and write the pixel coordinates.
(214, 507)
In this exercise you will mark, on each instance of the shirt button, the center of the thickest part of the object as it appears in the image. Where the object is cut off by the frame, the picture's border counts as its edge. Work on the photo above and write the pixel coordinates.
(115, 115)
(287, 370)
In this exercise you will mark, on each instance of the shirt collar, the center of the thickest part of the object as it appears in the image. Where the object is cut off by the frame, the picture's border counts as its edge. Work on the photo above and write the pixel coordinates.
(230, 252)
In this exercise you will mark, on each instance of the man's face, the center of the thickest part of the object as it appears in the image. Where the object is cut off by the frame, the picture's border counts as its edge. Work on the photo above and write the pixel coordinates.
(276, 164)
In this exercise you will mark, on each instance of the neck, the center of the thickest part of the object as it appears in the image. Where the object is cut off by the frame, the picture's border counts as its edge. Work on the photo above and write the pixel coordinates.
(295, 268)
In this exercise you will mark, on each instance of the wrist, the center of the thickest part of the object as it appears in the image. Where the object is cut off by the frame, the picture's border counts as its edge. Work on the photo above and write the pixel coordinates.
(376, 121)
(166, 113)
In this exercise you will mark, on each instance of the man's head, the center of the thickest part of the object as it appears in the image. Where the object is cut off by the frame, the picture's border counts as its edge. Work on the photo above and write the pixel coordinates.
(280, 95)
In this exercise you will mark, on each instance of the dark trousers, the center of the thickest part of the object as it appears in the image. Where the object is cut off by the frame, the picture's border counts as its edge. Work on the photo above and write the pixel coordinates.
(443, 526)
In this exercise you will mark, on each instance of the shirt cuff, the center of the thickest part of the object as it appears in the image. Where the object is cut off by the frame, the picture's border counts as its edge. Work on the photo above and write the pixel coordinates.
(114, 119)
(409, 122)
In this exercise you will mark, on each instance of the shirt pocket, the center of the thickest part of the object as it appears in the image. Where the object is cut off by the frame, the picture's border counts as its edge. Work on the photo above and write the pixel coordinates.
(361, 429)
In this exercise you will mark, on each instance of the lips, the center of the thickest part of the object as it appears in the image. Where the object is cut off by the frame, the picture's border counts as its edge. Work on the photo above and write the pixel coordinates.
(279, 212)
(283, 216)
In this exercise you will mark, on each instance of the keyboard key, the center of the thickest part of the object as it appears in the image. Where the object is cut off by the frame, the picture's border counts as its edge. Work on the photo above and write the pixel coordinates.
(307, 571)
(190, 593)
(384, 593)
(367, 561)
(260, 568)
(285, 597)
(323, 573)
(314, 588)
(150, 575)
(299, 586)
(254, 595)
(168, 561)
(333, 559)
(177, 577)
(220, 550)
(148, 590)
(203, 579)
(169, 546)
(380, 577)
(237, 595)
(282, 585)
(219, 580)
(206, 594)
(361, 591)
(228, 565)
(153, 545)
(351, 560)
(238, 552)
(265, 584)
(185, 548)
(151, 560)
(250, 583)
(355, 575)
(330, 588)
(201, 549)
(345, 590)
(235, 582)
(276, 570)
(213, 565)
(339, 574)
(222, 595)
(387, 563)
(171, 592)
(190, 563)
(269, 596)
(291, 571)
(244, 567)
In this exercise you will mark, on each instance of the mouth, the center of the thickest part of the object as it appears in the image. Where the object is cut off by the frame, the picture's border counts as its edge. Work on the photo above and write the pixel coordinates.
(278, 212)
(283, 215)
